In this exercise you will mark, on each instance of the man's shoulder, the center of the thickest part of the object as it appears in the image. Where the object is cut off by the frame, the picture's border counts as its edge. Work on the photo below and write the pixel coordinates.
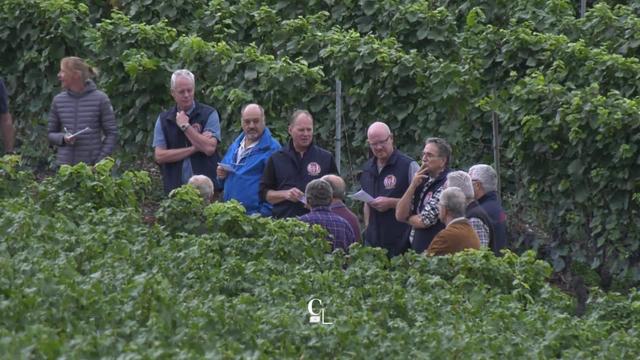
(402, 158)
(320, 151)
(205, 107)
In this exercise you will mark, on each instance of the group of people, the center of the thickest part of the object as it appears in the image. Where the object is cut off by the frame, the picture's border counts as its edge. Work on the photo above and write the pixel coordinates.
(424, 207)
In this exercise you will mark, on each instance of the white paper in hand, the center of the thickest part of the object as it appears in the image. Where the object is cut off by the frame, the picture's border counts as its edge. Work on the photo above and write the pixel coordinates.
(227, 167)
(79, 132)
(362, 196)
(303, 199)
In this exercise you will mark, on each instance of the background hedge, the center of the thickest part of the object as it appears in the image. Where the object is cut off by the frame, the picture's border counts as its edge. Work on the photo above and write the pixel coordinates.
(565, 90)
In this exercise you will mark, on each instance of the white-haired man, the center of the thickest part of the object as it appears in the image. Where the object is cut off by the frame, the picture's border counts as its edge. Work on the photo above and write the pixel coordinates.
(478, 218)
(204, 186)
(186, 136)
(485, 183)
(458, 235)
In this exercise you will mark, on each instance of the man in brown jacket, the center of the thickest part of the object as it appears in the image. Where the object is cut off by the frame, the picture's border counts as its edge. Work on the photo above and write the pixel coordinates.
(458, 235)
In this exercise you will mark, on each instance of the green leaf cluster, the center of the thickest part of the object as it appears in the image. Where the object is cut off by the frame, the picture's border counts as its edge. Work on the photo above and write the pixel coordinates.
(110, 285)
(565, 90)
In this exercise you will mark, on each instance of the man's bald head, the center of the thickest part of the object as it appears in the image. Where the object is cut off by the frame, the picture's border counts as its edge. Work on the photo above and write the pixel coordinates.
(337, 185)
(380, 141)
(378, 128)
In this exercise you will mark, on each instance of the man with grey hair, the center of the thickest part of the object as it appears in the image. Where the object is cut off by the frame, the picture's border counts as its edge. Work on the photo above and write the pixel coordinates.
(478, 218)
(186, 137)
(485, 181)
(418, 206)
(337, 203)
(458, 235)
(318, 195)
(204, 186)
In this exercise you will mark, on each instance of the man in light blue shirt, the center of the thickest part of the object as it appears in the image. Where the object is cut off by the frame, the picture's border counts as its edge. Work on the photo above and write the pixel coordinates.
(186, 136)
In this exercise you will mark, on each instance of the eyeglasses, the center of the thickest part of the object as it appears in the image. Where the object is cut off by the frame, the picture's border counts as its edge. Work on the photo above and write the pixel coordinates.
(430, 156)
(379, 143)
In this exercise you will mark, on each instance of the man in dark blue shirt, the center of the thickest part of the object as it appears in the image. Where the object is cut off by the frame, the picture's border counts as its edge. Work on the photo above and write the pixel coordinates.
(485, 187)
(318, 196)
(291, 168)
(6, 122)
(385, 176)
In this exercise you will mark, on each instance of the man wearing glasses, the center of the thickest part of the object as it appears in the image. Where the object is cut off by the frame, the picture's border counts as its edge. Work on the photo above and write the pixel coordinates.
(418, 206)
(241, 169)
(385, 176)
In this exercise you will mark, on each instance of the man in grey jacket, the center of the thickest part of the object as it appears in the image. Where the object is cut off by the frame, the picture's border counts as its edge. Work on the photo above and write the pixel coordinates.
(81, 119)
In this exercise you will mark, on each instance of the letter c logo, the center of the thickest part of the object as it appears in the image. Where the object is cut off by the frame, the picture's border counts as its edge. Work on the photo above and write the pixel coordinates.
(310, 306)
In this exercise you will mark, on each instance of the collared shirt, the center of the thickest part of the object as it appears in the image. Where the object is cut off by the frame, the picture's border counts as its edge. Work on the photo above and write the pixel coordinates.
(340, 233)
(481, 230)
(244, 150)
(341, 209)
(429, 213)
(212, 126)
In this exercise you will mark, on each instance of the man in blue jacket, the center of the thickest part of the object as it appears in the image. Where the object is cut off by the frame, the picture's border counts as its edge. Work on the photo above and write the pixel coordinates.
(241, 168)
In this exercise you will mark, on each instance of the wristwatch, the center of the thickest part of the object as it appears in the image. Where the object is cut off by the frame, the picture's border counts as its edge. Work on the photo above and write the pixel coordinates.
(184, 127)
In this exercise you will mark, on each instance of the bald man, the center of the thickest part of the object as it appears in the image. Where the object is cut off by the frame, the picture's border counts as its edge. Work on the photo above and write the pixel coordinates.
(385, 176)
(245, 161)
(338, 206)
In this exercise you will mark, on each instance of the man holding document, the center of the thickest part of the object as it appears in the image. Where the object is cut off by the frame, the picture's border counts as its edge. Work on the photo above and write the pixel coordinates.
(241, 169)
(385, 177)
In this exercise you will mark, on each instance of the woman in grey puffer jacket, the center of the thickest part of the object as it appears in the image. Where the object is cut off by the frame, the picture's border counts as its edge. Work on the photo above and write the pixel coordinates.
(81, 106)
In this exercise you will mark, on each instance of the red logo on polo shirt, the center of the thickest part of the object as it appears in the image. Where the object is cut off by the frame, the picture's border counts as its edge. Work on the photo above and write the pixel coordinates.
(314, 169)
(390, 182)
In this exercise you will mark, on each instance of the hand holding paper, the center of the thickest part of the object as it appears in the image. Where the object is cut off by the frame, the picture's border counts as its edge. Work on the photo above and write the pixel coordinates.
(77, 133)
(362, 196)
(227, 167)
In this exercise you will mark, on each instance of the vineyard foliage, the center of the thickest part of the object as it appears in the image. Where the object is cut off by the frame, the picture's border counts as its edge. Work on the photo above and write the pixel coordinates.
(564, 89)
(82, 276)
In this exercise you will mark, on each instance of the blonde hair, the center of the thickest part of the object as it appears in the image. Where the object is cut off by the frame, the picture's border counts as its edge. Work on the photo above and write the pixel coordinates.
(78, 65)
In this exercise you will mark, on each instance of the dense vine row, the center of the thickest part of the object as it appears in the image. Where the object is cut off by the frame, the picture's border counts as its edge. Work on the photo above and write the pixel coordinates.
(557, 84)
(82, 276)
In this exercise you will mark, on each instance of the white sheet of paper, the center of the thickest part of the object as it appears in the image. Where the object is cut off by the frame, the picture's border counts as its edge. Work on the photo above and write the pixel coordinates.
(80, 132)
(227, 167)
(362, 196)
(303, 199)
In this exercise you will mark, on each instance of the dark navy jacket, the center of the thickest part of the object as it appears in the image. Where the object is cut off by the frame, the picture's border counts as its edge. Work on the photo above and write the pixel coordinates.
(422, 237)
(384, 230)
(491, 205)
(176, 139)
(286, 169)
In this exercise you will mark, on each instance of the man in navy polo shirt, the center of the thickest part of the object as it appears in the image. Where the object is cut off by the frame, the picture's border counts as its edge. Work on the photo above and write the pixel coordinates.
(291, 168)
(186, 136)
(385, 177)
(6, 122)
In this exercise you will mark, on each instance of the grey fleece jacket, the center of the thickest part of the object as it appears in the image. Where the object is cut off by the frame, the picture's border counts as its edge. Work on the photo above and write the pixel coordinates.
(76, 111)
